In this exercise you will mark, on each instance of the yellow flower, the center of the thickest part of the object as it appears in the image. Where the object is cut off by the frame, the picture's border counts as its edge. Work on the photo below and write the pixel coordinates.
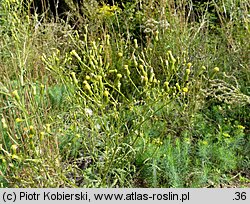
(216, 69)
(144, 79)
(108, 10)
(188, 71)
(226, 134)
(136, 44)
(112, 71)
(106, 93)
(202, 69)
(34, 90)
(240, 127)
(3, 159)
(141, 67)
(189, 65)
(14, 148)
(74, 53)
(187, 140)
(119, 76)
(73, 74)
(178, 86)
(15, 157)
(32, 131)
(166, 83)
(48, 128)
(156, 35)
(87, 87)
(185, 89)
(120, 54)
(42, 135)
(204, 142)
(127, 70)
(108, 39)
(173, 60)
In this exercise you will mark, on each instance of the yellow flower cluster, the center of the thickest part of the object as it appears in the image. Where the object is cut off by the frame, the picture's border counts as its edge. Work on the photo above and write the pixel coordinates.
(108, 11)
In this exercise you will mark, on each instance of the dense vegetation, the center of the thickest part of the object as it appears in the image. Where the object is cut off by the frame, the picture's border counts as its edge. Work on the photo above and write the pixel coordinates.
(136, 94)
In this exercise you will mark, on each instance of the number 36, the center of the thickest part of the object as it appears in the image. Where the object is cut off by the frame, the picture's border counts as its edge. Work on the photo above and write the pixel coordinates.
(240, 196)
